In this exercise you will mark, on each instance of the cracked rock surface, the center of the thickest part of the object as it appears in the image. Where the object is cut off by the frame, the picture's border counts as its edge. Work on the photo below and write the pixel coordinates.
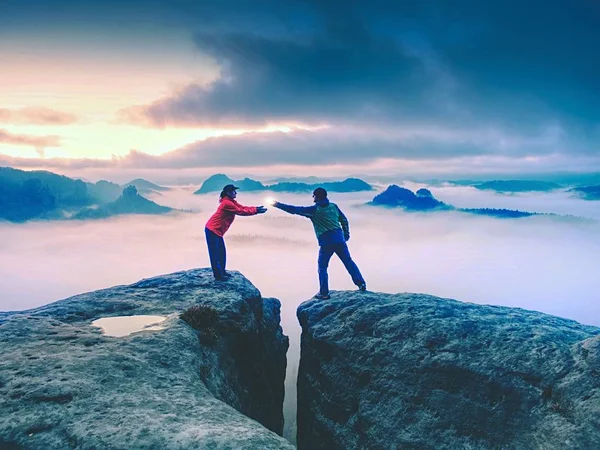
(383, 371)
(64, 384)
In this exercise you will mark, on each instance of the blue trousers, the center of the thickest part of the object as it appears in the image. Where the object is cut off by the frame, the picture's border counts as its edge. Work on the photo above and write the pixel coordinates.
(341, 249)
(216, 252)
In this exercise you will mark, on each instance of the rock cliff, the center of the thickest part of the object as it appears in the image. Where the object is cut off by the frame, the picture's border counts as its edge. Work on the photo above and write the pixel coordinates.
(196, 383)
(381, 371)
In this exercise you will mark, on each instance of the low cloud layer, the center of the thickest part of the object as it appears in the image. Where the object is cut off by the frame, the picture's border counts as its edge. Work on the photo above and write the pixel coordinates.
(37, 142)
(543, 263)
(36, 116)
(344, 149)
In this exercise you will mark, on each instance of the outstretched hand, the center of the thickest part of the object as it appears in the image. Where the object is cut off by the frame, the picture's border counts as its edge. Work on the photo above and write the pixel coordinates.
(261, 210)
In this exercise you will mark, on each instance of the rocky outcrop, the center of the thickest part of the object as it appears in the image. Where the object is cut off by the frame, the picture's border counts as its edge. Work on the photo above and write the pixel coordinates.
(396, 196)
(381, 371)
(424, 193)
(423, 200)
(64, 384)
(587, 192)
(130, 202)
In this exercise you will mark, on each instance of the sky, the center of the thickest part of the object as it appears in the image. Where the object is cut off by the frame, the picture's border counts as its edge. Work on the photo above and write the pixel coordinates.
(100, 88)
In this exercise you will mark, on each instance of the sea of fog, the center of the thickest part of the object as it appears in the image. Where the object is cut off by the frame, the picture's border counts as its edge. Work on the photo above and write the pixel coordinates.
(544, 263)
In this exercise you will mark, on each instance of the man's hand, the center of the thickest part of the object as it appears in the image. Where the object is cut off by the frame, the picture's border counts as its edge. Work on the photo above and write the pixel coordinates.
(261, 210)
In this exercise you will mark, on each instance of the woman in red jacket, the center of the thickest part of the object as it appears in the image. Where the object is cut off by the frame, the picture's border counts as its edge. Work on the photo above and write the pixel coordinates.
(219, 223)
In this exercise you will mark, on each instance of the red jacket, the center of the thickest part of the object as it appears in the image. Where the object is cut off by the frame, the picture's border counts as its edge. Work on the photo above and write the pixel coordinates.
(220, 221)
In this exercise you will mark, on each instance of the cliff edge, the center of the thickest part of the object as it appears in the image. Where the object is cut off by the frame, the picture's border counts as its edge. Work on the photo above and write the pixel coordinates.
(383, 371)
(203, 382)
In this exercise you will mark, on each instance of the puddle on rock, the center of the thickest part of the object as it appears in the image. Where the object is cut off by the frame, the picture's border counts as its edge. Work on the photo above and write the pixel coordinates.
(126, 325)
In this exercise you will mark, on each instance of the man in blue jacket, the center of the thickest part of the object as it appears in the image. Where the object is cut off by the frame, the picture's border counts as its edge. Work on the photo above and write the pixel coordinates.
(332, 230)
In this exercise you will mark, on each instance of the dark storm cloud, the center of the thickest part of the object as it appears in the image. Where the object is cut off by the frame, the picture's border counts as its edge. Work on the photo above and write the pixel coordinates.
(518, 64)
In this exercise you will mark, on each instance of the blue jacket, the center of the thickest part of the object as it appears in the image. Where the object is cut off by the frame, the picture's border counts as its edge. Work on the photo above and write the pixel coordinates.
(330, 224)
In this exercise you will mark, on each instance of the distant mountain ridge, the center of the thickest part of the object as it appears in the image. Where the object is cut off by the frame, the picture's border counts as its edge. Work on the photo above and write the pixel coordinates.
(587, 192)
(145, 186)
(518, 186)
(216, 182)
(28, 195)
(39, 194)
(423, 200)
(308, 180)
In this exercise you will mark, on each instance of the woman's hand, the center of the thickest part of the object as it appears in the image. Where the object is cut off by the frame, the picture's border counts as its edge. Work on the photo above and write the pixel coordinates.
(261, 210)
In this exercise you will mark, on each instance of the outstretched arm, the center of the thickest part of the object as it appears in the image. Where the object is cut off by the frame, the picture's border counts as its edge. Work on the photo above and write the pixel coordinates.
(306, 211)
(344, 223)
(240, 210)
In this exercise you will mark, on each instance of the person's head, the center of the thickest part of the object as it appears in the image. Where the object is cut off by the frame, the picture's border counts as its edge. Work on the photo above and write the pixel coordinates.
(319, 194)
(229, 191)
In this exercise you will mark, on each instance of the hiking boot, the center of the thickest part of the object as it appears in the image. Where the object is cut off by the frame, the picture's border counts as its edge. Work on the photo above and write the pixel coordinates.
(322, 296)
(223, 277)
(362, 287)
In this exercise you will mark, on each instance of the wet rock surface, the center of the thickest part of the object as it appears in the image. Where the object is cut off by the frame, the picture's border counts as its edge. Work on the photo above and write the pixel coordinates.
(63, 384)
(382, 371)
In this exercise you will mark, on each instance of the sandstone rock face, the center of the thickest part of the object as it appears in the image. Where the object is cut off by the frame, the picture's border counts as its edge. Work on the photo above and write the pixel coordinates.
(381, 371)
(64, 384)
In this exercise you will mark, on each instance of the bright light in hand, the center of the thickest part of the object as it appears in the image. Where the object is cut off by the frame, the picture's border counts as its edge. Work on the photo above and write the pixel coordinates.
(270, 201)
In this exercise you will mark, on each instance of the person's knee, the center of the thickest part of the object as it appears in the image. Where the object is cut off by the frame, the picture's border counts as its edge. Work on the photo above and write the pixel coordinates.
(347, 261)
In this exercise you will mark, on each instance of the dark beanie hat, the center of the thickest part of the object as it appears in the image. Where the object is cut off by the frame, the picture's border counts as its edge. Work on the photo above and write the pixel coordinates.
(320, 193)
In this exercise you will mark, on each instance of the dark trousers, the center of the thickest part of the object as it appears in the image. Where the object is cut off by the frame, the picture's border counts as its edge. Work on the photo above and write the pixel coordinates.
(325, 254)
(216, 252)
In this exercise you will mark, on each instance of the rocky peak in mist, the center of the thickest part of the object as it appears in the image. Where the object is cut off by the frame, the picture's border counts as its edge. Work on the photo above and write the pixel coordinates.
(214, 183)
(208, 377)
(130, 202)
(347, 185)
(104, 191)
(424, 193)
(130, 193)
(417, 371)
(397, 196)
(423, 200)
(587, 192)
(145, 186)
